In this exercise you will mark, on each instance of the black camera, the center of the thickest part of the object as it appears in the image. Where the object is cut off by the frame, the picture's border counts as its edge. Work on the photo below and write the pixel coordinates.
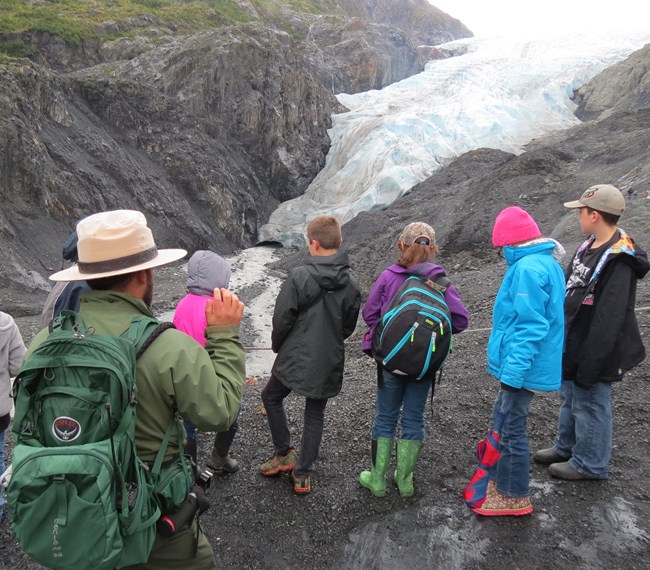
(204, 479)
(197, 503)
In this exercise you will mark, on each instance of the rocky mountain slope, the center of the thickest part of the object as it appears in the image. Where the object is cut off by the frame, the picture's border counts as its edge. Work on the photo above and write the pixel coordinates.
(206, 128)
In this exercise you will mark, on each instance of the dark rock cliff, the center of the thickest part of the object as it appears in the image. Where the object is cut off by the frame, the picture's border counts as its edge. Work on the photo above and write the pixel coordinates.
(205, 148)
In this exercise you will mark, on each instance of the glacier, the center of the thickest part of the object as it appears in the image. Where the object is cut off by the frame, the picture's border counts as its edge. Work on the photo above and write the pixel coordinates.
(493, 92)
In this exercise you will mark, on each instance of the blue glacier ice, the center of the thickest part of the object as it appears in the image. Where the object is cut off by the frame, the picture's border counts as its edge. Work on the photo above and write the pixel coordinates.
(497, 92)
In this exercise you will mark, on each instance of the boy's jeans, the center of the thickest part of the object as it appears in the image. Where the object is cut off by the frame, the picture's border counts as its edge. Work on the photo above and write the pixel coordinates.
(509, 418)
(390, 398)
(273, 396)
(585, 428)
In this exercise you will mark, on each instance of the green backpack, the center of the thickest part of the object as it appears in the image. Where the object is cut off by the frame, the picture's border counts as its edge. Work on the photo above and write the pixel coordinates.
(79, 496)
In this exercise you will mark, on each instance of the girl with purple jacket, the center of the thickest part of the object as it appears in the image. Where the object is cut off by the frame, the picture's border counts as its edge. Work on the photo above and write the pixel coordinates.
(417, 246)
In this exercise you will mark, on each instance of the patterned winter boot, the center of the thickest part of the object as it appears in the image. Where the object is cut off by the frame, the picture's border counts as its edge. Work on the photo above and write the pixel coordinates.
(375, 479)
(408, 452)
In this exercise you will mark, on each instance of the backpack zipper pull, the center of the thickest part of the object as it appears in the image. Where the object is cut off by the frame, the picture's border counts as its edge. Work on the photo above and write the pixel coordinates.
(415, 326)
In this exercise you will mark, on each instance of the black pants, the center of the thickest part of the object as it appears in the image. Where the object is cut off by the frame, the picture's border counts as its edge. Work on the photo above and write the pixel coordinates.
(273, 396)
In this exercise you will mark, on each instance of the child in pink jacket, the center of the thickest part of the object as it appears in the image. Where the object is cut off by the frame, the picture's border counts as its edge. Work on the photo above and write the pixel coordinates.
(206, 271)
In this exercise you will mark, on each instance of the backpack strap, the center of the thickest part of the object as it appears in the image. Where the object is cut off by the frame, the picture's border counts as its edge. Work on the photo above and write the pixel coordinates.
(67, 320)
(161, 328)
(158, 463)
(440, 282)
(143, 331)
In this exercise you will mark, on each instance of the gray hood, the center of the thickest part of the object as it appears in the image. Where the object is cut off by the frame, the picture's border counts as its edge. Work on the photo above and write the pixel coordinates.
(207, 271)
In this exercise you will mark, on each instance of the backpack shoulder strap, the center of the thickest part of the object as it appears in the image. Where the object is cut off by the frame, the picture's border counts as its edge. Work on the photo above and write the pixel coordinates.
(143, 331)
(67, 320)
(155, 333)
(440, 282)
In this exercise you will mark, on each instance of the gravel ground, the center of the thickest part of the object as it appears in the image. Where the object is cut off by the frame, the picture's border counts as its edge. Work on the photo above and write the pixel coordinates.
(256, 522)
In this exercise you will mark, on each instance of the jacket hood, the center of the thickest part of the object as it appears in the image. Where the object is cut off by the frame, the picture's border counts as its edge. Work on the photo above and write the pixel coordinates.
(427, 269)
(207, 271)
(6, 322)
(512, 254)
(631, 254)
(332, 272)
(625, 250)
(70, 248)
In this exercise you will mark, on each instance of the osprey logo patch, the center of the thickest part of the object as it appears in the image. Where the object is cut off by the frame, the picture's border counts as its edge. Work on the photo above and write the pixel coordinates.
(66, 429)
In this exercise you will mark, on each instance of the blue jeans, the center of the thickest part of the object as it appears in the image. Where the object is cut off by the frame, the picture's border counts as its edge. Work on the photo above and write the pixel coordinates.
(509, 419)
(396, 394)
(585, 428)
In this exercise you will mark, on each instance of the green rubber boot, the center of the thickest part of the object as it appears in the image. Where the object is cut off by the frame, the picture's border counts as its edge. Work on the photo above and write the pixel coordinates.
(375, 479)
(408, 452)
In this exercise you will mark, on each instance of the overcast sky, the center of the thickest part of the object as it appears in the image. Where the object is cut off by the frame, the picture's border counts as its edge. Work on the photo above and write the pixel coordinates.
(497, 17)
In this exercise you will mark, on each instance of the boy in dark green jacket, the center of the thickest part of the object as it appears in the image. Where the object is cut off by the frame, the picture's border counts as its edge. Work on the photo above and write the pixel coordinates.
(316, 310)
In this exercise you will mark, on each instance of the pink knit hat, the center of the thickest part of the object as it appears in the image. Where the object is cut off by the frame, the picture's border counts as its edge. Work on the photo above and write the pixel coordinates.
(514, 225)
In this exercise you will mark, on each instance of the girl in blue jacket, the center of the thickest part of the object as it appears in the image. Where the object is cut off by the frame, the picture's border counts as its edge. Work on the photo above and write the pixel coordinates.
(524, 351)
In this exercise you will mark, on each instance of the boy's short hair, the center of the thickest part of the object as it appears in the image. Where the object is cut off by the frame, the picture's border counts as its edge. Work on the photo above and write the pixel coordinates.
(609, 219)
(326, 230)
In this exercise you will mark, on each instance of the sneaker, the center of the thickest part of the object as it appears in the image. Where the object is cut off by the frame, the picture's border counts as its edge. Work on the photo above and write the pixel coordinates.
(498, 505)
(301, 485)
(548, 456)
(279, 463)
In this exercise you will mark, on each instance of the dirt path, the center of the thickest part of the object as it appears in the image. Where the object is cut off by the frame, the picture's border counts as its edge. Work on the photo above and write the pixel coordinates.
(259, 523)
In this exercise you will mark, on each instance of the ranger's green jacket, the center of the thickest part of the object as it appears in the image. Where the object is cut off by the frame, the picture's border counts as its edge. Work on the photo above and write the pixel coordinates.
(205, 385)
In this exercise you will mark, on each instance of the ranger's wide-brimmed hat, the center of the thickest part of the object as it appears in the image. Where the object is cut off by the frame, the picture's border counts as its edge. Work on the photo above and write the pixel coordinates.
(115, 243)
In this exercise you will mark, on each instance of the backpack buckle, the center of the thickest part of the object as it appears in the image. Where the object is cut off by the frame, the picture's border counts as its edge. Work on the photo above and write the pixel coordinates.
(76, 331)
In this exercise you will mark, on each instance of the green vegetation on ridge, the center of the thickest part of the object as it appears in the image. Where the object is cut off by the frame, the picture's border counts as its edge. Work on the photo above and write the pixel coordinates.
(74, 20)
(77, 20)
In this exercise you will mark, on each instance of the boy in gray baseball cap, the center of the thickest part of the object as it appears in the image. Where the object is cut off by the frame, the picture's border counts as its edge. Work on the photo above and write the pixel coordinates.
(602, 338)
(603, 198)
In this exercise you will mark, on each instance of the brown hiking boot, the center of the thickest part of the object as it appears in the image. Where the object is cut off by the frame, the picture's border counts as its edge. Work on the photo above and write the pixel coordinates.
(279, 463)
(301, 485)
